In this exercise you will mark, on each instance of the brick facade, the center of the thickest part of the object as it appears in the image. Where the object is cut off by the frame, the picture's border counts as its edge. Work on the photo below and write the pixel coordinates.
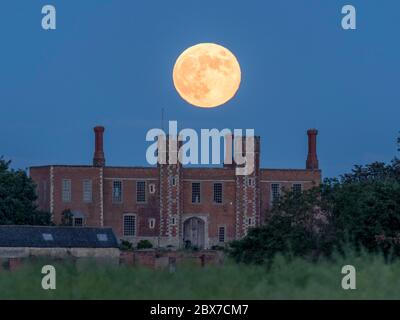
(164, 215)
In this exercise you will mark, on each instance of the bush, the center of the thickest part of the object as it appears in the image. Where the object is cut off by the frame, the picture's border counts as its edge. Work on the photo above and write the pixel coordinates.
(144, 244)
(125, 245)
(190, 246)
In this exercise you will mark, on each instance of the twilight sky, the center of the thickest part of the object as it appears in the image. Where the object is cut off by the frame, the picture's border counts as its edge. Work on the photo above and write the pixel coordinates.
(110, 63)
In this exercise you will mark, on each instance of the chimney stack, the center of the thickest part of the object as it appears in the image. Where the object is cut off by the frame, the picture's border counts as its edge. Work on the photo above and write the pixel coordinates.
(312, 160)
(98, 158)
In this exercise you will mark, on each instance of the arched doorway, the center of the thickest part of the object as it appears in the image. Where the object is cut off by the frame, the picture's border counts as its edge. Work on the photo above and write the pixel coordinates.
(193, 232)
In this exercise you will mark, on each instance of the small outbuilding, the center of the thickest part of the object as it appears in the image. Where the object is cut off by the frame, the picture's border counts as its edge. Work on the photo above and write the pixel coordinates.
(19, 242)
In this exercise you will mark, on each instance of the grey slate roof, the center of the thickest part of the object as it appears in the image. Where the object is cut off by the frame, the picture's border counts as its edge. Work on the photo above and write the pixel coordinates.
(57, 237)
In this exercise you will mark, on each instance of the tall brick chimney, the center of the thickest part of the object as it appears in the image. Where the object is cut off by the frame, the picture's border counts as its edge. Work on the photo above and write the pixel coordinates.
(98, 158)
(312, 160)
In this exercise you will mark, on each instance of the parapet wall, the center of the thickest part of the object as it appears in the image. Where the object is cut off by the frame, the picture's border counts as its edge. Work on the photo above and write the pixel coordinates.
(160, 259)
(12, 258)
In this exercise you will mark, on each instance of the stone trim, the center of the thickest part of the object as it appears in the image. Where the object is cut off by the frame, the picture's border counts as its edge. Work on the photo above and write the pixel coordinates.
(52, 193)
(209, 180)
(134, 179)
(101, 197)
(286, 181)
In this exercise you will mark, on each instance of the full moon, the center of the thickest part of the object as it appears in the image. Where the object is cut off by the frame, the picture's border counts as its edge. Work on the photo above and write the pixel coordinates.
(206, 75)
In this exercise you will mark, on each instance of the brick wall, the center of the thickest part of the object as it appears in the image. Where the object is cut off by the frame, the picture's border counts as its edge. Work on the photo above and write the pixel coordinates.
(240, 200)
(114, 211)
(157, 259)
(244, 204)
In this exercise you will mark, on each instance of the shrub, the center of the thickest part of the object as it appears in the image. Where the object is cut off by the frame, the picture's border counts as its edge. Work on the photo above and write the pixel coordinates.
(125, 245)
(144, 244)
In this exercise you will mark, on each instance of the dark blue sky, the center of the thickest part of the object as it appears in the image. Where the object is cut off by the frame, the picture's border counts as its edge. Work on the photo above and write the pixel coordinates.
(110, 62)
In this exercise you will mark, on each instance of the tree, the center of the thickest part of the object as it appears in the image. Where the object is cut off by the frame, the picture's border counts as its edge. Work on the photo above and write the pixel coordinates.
(398, 143)
(17, 198)
(296, 227)
(360, 209)
(365, 204)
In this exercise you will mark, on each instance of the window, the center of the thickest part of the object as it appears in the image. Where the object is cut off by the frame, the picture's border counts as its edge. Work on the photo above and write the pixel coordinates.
(218, 192)
(250, 222)
(250, 182)
(152, 188)
(195, 192)
(297, 188)
(152, 223)
(173, 181)
(47, 236)
(102, 237)
(275, 191)
(129, 225)
(141, 191)
(78, 222)
(221, 234)
(173, 221)
(87, 190)
(117, 191)
(66, 190)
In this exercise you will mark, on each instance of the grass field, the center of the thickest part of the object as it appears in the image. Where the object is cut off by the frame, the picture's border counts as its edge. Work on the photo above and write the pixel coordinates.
(297, 279)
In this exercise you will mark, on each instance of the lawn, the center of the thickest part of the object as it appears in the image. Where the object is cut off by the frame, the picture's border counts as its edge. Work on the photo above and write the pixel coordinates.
(298, 279)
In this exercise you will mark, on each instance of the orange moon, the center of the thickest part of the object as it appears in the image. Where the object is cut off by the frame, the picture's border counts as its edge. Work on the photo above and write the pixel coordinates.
(207, 75)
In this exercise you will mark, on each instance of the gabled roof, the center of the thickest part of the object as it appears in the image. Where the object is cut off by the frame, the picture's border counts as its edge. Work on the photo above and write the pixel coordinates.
(57, 237)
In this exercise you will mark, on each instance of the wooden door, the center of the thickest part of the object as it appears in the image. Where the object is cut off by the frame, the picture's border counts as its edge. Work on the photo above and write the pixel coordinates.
(193, 231)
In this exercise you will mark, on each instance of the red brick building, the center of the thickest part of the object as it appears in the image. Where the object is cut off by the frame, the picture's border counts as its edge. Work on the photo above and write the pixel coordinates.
(168, 204)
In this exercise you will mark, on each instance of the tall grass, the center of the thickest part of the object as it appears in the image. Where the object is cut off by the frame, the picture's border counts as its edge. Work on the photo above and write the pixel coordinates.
(295, 279)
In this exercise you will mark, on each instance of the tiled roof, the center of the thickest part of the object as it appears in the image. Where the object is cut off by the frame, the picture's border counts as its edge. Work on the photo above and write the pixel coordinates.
(57, 237)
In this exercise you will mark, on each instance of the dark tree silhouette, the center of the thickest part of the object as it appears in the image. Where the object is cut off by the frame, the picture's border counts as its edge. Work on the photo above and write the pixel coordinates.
(18, 198)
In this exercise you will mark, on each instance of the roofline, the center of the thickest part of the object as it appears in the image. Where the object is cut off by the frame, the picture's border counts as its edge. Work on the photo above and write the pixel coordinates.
(62, 165)
(90, 166)
(130, 167)
(185, 168)
(207, 168)
(58, 227)
(277, 169)
(77, 247)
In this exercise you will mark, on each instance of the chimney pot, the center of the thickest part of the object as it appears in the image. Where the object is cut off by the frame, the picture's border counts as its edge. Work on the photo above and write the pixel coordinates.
(98, 158)
(312, 160)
